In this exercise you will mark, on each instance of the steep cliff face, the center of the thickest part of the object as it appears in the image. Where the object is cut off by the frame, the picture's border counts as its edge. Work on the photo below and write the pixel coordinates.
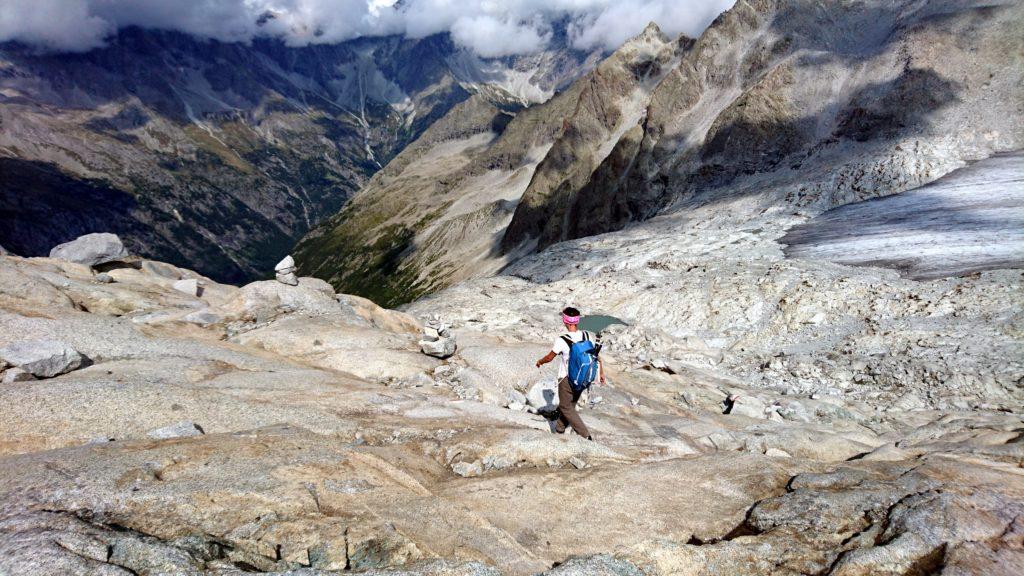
(833, 101)
(438, 212)
(835, 92)
(223, 154)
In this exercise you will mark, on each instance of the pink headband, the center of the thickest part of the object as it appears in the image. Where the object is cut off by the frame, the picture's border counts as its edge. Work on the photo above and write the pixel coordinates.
(570, 319)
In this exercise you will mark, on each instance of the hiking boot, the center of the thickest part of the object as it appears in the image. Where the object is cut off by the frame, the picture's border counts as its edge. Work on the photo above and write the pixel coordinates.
(550, 415)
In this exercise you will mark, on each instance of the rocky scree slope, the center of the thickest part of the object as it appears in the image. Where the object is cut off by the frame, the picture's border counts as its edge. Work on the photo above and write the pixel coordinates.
(222, 155)
(283, 429)
(808, 105)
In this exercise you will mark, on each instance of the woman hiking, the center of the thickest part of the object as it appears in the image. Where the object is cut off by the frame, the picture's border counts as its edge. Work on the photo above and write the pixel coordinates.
(579, 365)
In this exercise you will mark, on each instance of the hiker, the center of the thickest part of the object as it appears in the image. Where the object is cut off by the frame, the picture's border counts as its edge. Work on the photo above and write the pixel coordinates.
(579, 365)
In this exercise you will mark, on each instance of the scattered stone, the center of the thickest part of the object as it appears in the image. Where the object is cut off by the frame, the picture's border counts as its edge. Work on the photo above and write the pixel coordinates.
(203, 317)
(104, 278)
(468, 469)
(515, 397)
(793, 410)
(13, 375)
(776, 453)
(909, 401)
(42, 358)
(100, 440)
(183, 429)
(284, 272)
(577, 462)
(188, 286)
(440, 348)
(91, 249)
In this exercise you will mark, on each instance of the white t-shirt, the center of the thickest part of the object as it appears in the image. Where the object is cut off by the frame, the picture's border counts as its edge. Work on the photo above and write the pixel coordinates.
(562, 349)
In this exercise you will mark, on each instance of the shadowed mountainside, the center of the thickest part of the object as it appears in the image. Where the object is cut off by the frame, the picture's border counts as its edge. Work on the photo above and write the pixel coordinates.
(228, 151)
(843, 101)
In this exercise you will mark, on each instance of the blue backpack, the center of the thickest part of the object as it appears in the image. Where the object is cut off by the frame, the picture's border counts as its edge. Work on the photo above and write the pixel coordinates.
(582, 362)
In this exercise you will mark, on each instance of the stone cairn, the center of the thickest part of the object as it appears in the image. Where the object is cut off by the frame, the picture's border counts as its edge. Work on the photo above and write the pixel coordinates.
(285, 271)
(438, 341)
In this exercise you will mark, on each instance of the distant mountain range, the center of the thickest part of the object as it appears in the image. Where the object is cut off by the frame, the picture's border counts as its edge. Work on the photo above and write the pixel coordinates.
(838, 101)
(222, 155)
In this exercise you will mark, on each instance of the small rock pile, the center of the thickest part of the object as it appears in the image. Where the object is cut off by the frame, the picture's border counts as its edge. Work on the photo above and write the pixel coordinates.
(285, 271)
(438, 341)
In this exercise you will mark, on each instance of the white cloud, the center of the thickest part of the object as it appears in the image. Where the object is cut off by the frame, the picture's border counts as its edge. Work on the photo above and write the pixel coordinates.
(489, 27)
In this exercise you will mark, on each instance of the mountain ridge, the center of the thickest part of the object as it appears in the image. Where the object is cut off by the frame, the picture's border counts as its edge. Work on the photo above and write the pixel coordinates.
(228, 151)
(844, 101)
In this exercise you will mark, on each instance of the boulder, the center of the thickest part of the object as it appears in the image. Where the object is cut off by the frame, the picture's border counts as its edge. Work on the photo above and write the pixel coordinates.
(745, 405)
(266, 299)
(188, 286)
(42, 358)
(183, 429)
(3, 251)
(17, 375)
(543, 396)
(91, 249)
(104, 278)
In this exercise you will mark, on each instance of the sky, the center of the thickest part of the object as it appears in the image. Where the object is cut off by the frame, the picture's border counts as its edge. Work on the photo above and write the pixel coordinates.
(490, 28)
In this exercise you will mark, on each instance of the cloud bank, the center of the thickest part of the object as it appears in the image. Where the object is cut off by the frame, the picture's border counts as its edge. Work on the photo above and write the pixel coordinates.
(490, 28)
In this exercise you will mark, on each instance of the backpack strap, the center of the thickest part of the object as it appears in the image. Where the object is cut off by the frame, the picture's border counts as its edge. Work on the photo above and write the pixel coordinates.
(568, 341)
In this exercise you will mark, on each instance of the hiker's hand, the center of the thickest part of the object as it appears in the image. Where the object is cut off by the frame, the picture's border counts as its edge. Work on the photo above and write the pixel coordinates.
(602, 380)
(537, 364)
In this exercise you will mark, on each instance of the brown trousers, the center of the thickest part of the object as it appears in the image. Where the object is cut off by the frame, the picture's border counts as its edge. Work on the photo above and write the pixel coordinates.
(567, 414)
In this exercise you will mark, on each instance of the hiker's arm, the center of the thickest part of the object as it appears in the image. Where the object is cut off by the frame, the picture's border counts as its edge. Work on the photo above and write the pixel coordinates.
(551, 356)
(600, 370)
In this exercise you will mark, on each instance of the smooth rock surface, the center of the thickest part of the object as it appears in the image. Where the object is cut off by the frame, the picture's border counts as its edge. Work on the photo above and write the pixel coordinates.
(188, 286)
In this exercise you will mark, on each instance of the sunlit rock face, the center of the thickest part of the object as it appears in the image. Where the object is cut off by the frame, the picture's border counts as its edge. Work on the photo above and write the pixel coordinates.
(291, 429)
(786, 107)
